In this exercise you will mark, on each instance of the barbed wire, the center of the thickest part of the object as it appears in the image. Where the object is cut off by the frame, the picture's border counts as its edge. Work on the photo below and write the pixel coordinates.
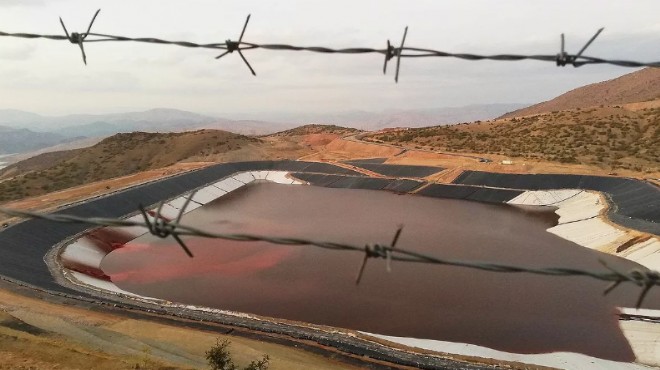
(162, 227)
(561, 59)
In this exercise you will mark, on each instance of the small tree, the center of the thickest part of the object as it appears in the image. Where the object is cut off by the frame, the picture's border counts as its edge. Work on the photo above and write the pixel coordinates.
(259, 365)
(219, 357)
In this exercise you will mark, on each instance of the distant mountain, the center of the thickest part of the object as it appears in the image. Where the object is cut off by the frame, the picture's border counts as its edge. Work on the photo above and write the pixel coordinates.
(405, 118)
(15, 118)
(91, 124)
(24, 140)
(32, 131)
(74, 144)
(640, 86)
(154, 120)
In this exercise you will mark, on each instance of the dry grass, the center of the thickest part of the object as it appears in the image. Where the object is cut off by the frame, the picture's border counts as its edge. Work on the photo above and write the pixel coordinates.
(35, 334)
(316, 129)
(611, 138)
(126, 154)
(640, 86)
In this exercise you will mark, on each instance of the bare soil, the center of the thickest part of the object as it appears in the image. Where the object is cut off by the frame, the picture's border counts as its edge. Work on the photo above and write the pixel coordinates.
(35, 334)
(38, 334)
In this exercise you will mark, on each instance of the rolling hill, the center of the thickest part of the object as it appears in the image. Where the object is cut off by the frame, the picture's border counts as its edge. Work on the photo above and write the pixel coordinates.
(14, 140)
(610, 138)
(612, 125)
(365, 120)
(35, 129)
(119, 155)
(317, 129)
(640, 86)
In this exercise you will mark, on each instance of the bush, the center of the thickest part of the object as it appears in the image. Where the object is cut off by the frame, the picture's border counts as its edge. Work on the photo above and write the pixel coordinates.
(219, 358)
(259, 365)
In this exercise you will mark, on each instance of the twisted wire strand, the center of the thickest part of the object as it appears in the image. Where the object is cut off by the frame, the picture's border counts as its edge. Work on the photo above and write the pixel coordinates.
(560, 59)
(163, 228)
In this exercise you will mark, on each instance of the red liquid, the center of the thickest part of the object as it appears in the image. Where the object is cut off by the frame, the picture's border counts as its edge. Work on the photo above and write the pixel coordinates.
(511, 312)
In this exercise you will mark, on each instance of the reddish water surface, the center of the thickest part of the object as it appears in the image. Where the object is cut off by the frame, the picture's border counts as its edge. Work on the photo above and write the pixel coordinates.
(511, 312)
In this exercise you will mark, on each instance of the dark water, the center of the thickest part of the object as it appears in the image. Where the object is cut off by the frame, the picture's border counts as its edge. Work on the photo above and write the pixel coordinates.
(511, 312)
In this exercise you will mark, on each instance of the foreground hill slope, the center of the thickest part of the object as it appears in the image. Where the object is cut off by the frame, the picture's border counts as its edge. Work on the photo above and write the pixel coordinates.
(312, 129)
(640, 86)
(119, 155)
(610, 138)
(130, 153)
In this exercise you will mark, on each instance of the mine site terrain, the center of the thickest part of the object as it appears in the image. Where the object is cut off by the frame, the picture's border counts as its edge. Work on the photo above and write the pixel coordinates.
(618, 133)
(580, 172)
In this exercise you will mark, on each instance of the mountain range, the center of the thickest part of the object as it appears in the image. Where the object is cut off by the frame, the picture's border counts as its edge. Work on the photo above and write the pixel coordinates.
(373, 121)
(640, 86)
(22, 132)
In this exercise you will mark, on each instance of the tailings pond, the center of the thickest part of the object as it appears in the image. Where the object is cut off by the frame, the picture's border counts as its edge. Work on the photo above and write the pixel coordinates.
(511, 312)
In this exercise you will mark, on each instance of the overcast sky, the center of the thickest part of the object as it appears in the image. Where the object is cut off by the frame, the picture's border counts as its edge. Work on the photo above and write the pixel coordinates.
(48, 77)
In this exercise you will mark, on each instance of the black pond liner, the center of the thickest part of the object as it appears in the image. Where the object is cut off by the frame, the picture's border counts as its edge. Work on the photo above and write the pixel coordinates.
(367, 160)
(24, 245)
(633, 203)
(397, 170)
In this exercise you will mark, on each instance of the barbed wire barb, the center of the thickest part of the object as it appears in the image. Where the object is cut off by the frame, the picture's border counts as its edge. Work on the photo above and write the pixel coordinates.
(398, 56)
(393, 245)
(163, 227)
(644, 278)
(229, 46)
(79, 38)
(376, 251)
(236, 46)
(564, 58)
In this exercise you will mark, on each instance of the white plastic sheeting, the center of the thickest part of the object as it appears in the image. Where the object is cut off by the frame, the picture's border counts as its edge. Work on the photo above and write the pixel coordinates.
(204, 196)
(259, 175)
(592, 233)
(645, 253)
(560, 360)
(166, 211)
(105, 285)
(643, 338)
(578, 212)
(84, 252)
(544, 198)
(228, 184)
(281, 178)
(580, 221)
(180, 201)
(244, 177)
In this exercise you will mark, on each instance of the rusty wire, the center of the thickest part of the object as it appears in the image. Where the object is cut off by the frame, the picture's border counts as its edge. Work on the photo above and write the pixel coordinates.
(163, 227)
(561, 59)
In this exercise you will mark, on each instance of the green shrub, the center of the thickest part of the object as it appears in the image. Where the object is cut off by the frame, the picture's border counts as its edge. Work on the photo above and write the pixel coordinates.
(219, 358)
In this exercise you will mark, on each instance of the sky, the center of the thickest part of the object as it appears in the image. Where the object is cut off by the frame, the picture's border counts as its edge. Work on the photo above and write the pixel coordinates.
(49, 77)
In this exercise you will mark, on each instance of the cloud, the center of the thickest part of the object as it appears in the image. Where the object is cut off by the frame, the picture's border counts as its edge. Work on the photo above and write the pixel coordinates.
(16, 52)
(9, 3)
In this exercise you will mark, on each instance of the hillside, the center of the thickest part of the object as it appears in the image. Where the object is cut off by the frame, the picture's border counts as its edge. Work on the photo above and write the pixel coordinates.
(609, 137)
(38, 162)
(166, 118)
(23, 140)
(643, 85)
(74, 126)
(120, 155)
(317, 129)
(75, 144)
(368, 120)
